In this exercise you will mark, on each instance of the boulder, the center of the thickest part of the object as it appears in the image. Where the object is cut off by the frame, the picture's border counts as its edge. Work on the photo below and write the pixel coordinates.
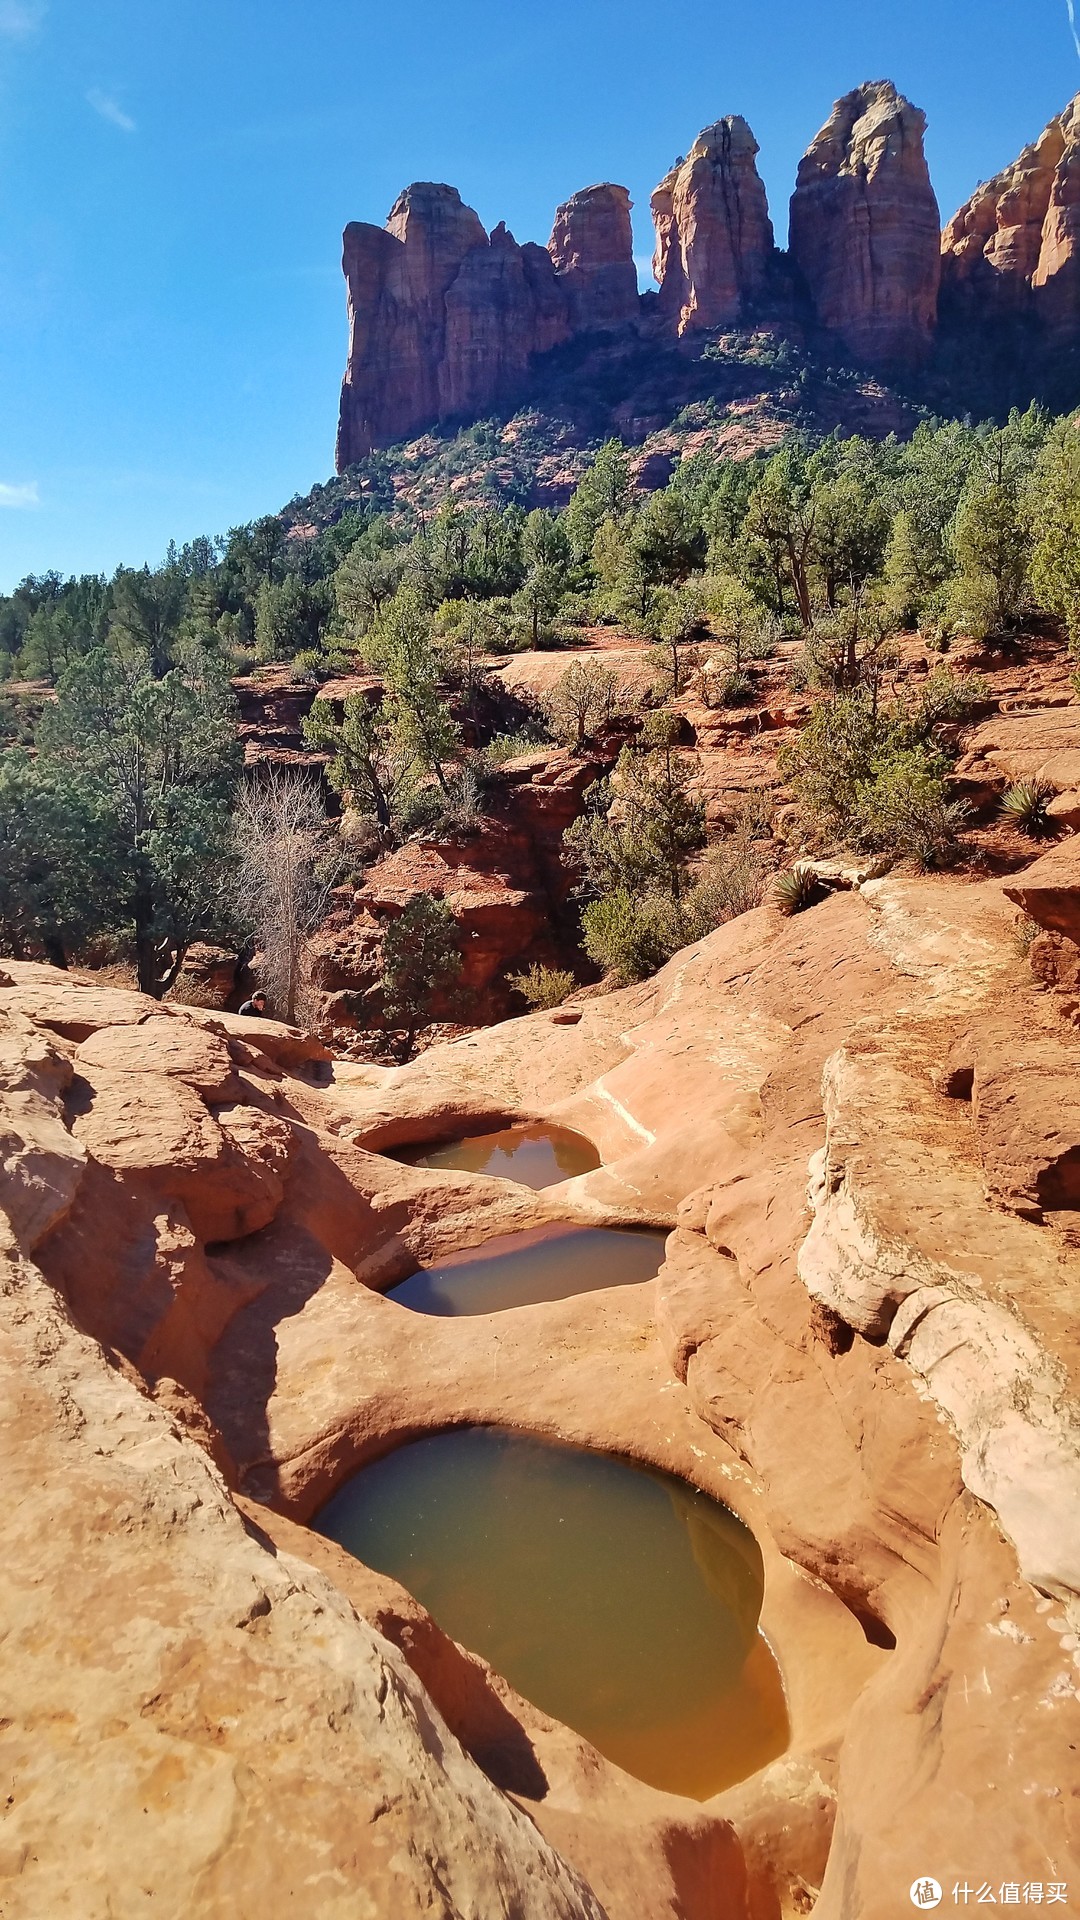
(714, 238)
(164, 1046)
(1026, 1107)
(157, 1134)
(865, 228)
(1049, 890)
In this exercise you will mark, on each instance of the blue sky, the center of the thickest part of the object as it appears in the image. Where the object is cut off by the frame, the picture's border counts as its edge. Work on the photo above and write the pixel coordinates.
(175, 174)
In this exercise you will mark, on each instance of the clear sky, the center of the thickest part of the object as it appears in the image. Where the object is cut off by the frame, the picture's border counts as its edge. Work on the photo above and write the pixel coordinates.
(175, 175)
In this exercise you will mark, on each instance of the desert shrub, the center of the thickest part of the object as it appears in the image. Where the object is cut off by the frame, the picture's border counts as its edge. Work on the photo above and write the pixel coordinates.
(873, 776)
(630, 935)
(1026, 807)
(543, 987)
(795, 889)
(732, 882)
(421, 961)
(732, 689)
(508, 746)
(905, 809)
(1025, 932)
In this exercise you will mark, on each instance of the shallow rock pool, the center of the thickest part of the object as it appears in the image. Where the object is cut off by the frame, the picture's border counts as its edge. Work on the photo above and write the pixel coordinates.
(534, 1155)
(616, 1598)
(550, 1262)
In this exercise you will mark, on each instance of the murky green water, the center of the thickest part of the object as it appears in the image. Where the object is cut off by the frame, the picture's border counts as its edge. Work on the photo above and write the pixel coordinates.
(615, 1598)
(534, 1156)
(546, 1263)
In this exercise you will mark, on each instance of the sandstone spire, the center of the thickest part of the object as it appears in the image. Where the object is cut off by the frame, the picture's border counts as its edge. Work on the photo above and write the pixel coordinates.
(714, 238)
(444, 320)
(865, 226)
(592, 248)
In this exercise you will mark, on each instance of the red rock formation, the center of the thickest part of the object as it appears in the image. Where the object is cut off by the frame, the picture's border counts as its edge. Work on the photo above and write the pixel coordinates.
(504, 305)
(1014, 246)
(714, 238)
(592, 247)
(444, 321)
(865, 226)
(398, 278)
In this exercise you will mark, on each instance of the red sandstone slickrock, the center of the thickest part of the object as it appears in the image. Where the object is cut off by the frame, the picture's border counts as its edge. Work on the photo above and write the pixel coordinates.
(195, 1351)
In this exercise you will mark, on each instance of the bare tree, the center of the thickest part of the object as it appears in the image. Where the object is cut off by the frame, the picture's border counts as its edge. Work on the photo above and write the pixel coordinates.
(582, 699)
(288, 867)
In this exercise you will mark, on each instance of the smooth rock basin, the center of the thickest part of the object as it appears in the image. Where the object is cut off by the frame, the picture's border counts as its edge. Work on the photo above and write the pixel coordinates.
(544, 1263)
(614, 1597)
(533, 1155)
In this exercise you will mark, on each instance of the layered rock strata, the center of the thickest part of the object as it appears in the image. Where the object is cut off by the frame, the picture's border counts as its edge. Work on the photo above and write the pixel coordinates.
(865, 228)
(1014, 247)
(714, 238)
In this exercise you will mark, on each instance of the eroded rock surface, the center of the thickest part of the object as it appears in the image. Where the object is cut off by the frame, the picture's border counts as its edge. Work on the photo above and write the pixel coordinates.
(714, 238)
(865, 226)
(882, 1383)
(1014, 247)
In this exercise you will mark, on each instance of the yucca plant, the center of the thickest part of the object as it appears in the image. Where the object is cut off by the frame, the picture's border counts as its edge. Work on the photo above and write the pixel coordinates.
(1026, 806)
(795, 889)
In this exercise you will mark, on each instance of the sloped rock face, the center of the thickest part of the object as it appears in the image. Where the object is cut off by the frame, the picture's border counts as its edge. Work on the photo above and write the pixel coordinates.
(714, 238)
(865, 228)
(503, 306)
(1013, 249)
(592, 249)
(224, 1732)
(398, 278)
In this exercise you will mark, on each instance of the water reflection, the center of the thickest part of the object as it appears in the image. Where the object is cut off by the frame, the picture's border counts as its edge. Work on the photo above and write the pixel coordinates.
(532, 1155)
(545, 1263)
(614, 1597)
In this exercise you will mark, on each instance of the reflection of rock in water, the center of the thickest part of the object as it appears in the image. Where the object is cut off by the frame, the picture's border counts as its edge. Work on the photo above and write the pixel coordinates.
(727, 1556)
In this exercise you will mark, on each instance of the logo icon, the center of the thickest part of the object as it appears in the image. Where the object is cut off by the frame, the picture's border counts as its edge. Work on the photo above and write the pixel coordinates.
(925, 1893)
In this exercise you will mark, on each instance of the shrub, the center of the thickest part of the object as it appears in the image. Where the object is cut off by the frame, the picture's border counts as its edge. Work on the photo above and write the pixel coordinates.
(543, 987)
(508, 746)
(905, 809)
(1026, 805)
(795, 889)
(733, 882)
(421, 961)
(629, 936)
(730, 690)
(873, 777)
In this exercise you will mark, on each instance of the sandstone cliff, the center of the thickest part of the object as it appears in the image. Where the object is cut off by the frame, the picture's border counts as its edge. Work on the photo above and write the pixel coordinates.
(865, 226)
(714, 238)
(444, 320)
(592, 248)
(1014, 247)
